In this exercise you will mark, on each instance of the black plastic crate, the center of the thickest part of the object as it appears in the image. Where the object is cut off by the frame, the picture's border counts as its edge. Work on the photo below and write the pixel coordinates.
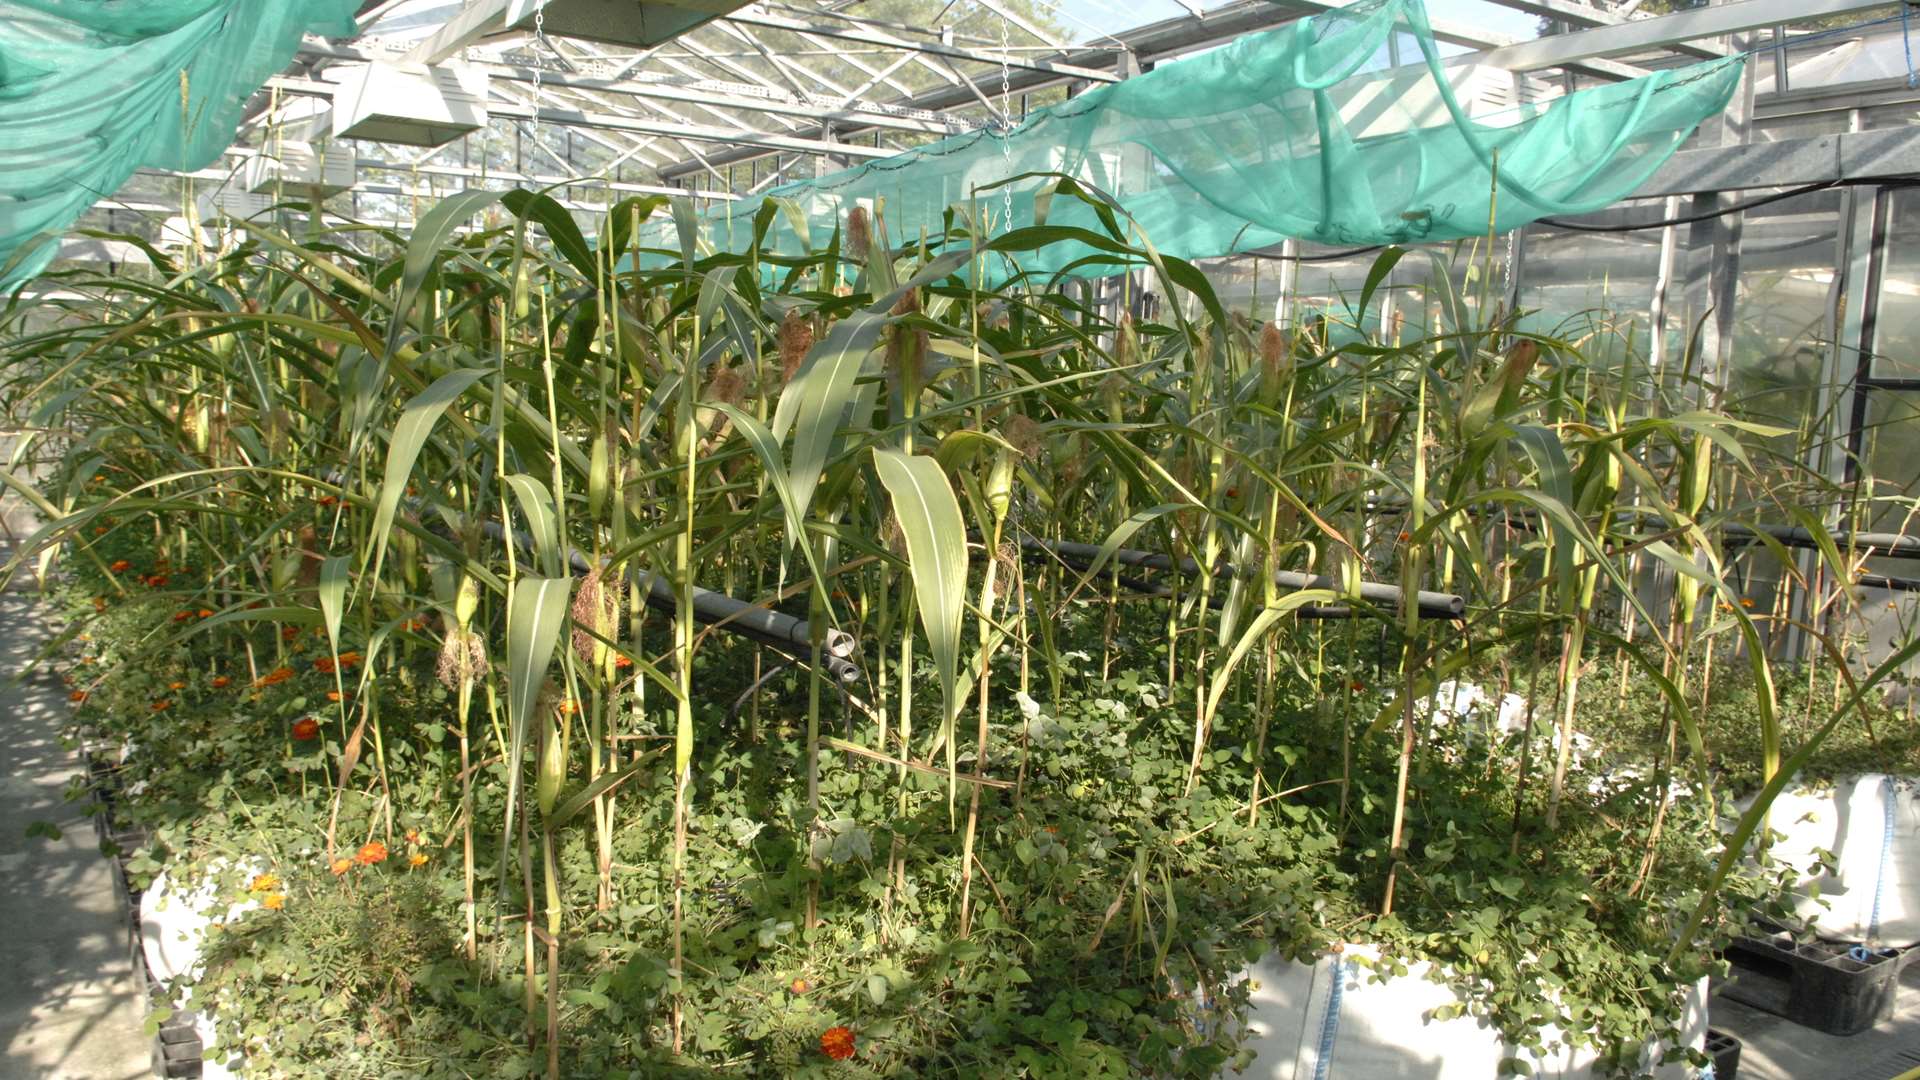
(1724, 1049)
(1836, 988)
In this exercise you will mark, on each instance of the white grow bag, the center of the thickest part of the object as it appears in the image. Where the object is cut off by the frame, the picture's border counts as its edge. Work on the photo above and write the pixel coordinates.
(1871, 824)
(174, 920)
(1333, 1020)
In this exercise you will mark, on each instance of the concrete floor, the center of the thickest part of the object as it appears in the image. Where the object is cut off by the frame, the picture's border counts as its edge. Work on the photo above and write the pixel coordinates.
(1777, 1049)
(69, 1008)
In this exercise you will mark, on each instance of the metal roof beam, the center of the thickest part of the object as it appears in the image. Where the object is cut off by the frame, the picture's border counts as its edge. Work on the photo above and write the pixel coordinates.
(1664, 31)
(868, 35)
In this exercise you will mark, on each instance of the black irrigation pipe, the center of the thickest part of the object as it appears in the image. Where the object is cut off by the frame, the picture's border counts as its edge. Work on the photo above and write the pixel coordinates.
(776, 630)
(1431, 605)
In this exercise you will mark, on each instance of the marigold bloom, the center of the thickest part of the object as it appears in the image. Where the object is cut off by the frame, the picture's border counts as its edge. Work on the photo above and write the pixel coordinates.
(1746, 601)
(182, 616)
(161, 705)
(99, 530)
(264, 883)
(220, 681)
(206, 613)
(418, 858)
(370, 853)
(273, 901)
(799, 986)
(77, 696)
(1356, 686)
(156, 581)
(306, 729)
(176, 685)
(413, 836)
(623, 661)
(340, 866)
(277, 675)
(345, 661)
(327, 500)
(837, 1042)
(288, 633)
(120, 566)
(337, 696)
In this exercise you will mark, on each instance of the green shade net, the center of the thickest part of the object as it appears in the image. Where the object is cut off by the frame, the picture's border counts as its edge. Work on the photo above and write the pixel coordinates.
(91, 90)
(1307, 131)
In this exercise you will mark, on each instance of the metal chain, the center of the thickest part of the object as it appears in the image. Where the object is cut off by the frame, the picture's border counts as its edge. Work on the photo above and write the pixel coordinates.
(539, 35)
(1006, 121)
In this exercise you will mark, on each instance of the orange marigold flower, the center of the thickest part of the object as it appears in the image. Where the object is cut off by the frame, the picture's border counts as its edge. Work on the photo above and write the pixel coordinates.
(263, 883)
(182, 616)
(799, 986)
(622, 661)
(370, 853)
(277, 675)
(1356, 686)
(176, 686)
(1724, 606)
(306, 729)
(206, 613)
(220, 681)
(161, 705)
(99, 530)
(337, 696)
(120, 566)
(340, 866)
(77, 696)
(417, 859)
(156, 581)
(99, 603)
(837, 1042)
(289, 633)
(273, 901)
(1746, 601)
(413, 836)
(327, 500)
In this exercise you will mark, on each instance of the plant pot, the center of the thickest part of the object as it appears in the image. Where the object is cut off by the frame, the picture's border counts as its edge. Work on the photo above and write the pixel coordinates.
(1835, 988)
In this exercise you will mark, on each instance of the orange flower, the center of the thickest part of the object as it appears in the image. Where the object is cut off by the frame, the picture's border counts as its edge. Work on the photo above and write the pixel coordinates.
(99, 603)
(120, 566)
(413, 836)
(622, 661)
(337, 696)
(176, 686)
(182, 616)
(273, 901)
(206, 613)
(1356, 686)
(220, 681)
(799, 986)
(414, 625)
(99, 530)
(837, 1042)
(1724, 606)
(327, 500)
(370, 853)
(289, 633)
(156, 581)
(306, 729)
(263, 883)
(340, 866)
(570, 707)
(77, 696)
(1746, 601)
(345, 661)
(417, 859)
(1405, 536)
(161, 705)
(277, 675)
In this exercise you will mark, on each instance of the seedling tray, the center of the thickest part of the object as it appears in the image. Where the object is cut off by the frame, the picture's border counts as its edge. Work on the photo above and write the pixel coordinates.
(1836, 988)
(1724, 1049)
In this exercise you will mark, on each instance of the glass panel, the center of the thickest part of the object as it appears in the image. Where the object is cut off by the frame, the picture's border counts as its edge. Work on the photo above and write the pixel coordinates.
(1896, 343)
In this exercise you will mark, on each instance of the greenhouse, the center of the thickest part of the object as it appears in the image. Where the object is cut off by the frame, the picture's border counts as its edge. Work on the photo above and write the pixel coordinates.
(960, 538)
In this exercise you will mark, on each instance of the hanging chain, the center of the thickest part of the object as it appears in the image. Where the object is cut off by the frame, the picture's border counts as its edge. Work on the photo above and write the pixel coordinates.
(539, 36)
(1006, 121)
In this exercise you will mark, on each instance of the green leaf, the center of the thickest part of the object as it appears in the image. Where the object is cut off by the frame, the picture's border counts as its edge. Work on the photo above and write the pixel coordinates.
(936, 538)
(403, 449)
(537, 505)
(333, 596)
(603, 784)
(536, 618)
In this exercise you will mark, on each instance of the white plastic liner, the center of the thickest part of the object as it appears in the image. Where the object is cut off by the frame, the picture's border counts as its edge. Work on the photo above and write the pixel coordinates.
(1870, 892)
(174, 919)
(1331, 1020)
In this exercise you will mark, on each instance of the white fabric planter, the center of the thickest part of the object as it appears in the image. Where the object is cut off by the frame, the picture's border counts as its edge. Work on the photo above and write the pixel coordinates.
(1870, 823)
(174, 920)
(1333, 1020)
